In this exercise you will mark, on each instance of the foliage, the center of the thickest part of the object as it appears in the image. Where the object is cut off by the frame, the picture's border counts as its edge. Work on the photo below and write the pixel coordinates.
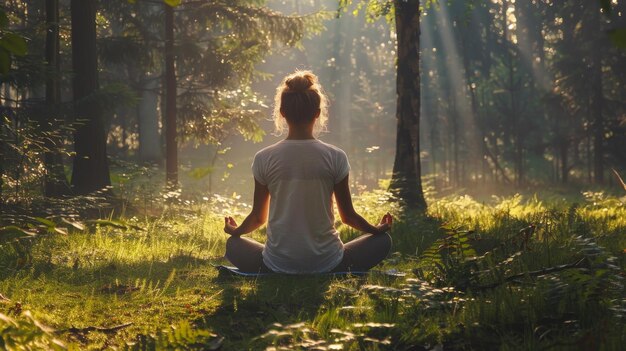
(472, 270)
(24, 145)
(26, 333)
(178, 337)
(11, 44)
(218, 44)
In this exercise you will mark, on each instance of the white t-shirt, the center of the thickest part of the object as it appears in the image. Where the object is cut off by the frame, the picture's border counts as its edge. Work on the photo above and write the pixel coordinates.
(300, 176)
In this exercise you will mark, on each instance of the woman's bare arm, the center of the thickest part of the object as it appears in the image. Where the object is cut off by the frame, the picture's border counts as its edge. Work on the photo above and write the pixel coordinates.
(350, 217)
(256, 218)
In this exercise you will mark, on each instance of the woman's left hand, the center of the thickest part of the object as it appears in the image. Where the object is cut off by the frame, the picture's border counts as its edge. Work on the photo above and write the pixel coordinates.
(230, 226)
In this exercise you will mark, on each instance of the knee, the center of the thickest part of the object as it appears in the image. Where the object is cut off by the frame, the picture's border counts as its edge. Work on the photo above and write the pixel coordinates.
(231, 243)
(387, 243)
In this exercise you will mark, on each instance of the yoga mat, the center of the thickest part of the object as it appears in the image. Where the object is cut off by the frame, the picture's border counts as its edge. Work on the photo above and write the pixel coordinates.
(236, 272)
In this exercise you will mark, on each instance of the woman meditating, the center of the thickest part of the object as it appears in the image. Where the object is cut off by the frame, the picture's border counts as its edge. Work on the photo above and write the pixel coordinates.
(294, 180)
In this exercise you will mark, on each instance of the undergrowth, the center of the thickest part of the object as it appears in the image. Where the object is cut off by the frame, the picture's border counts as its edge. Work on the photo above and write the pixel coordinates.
(510, 273)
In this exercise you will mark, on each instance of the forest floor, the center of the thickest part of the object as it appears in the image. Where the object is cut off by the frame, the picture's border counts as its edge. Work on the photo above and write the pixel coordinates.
(511, 272)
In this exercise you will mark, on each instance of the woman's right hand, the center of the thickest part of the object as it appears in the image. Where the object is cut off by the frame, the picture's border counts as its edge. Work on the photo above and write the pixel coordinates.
(230, 226)
(385, 223)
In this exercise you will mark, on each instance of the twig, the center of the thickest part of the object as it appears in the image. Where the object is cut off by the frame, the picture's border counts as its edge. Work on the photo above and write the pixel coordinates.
(85, 330)
(537, 273)
(4, 298)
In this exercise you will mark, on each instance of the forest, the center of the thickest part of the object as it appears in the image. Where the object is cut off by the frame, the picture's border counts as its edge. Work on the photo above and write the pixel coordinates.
(493, 132)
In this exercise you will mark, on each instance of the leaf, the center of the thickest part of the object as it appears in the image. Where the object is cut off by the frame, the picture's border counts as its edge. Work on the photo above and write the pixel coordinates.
(114, 224)
(48, 223)
(76, 225)
(108, 223)
(60, 230)
(216, 343)
(200, 172)
(14, 44)
(173, 3)
(12, 232)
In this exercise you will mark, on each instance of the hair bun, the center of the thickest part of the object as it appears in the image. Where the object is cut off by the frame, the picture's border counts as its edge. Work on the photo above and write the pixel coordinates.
(300, 82)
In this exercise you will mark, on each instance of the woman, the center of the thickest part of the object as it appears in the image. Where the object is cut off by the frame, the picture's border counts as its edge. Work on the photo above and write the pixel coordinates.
(294, 180)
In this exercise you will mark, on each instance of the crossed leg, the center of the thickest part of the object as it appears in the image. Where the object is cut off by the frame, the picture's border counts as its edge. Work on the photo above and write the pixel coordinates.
(360, 254)
(364, 252)
(245, 254)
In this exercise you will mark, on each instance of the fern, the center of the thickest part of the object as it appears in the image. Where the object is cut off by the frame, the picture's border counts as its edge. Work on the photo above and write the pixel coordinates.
(178, 337)
(450, 260)
(27, 334)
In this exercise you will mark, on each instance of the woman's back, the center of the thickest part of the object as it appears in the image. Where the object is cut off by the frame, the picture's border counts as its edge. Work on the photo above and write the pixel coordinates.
(294, 181)
(300, 176)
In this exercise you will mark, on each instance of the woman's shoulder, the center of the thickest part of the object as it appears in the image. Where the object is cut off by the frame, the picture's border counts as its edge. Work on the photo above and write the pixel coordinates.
(332, 148)
(267, 150)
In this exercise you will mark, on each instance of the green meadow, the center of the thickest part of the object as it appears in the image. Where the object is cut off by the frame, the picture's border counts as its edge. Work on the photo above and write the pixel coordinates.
(518, 272)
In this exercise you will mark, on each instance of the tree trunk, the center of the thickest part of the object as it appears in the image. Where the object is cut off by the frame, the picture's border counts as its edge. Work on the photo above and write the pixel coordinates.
(148, 120)
(171, 147)
(91, 168)
(2, 151)
(595, 105)
(55, 181)
(456, 143)
(406, 178)
(564, 146)
(434, 133)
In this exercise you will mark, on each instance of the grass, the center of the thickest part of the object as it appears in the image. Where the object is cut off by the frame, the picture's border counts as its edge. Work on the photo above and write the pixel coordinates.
(459, 291)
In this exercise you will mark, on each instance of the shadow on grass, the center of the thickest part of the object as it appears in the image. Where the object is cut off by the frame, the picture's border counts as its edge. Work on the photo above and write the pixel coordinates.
(249, 306)
(85, 273)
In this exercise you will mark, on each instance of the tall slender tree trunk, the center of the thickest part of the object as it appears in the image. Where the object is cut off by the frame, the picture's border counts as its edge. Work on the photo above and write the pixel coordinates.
(596, 102)
(434, 133)
(589, 158)
(91, 168)
(406, 179)
(55, 181)
(564, 146)
(2, 151)
(148, 121)
(171, 146)
(456, 143)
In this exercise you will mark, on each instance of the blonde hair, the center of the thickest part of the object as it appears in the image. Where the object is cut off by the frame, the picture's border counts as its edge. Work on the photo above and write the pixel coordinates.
(298, 99)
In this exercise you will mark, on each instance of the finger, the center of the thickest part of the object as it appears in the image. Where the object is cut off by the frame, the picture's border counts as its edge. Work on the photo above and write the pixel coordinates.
(387, 218)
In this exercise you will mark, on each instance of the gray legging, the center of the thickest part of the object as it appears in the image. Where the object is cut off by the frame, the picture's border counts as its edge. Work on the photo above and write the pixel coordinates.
(360, 254)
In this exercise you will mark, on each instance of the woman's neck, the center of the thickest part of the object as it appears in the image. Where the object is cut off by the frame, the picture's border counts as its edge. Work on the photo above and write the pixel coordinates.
(299, 133)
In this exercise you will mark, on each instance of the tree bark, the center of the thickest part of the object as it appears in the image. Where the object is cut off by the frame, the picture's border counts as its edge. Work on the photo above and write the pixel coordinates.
(595, 105)
(171, 147)
(2, 151)
(563, 148)
(406, 179)
(55, 181)
(91, 168)
(148, 120)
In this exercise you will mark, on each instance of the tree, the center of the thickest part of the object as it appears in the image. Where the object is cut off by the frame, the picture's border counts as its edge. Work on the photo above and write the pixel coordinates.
(406, 178)
(171, 144)
(91, 169)
(55, 182)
